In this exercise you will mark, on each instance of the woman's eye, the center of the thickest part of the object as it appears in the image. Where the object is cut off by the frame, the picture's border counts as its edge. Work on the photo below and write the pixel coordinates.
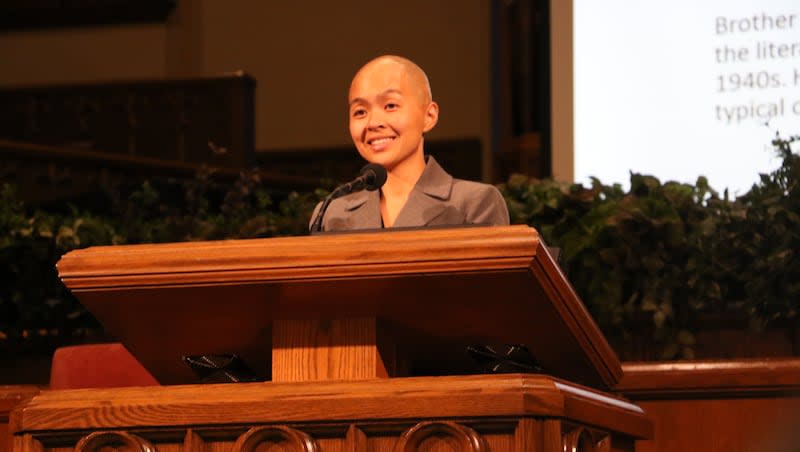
(391, 106)
(359, 113)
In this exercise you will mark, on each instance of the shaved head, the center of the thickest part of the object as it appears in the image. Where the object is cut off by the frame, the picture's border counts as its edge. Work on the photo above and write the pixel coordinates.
(414, 74)
(390, 111)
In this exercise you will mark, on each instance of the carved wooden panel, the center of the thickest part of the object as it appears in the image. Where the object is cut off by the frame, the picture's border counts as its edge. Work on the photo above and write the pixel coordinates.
(438, 435)
(119, 441)
(424, 436)
(203, 120)
(277, 438)
(578, 438)
(467, 435)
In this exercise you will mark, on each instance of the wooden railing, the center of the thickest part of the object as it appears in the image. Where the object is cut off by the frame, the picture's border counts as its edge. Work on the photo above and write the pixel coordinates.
(715, 406)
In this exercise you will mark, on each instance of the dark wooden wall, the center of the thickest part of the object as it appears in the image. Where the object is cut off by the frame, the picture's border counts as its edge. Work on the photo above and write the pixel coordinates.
(195, 121)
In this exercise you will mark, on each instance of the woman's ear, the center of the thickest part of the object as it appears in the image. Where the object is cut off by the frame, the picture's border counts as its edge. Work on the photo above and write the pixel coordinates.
(431, 116)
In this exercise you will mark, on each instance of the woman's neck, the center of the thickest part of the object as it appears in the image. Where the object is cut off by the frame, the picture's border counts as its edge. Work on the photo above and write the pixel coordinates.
(400, 181)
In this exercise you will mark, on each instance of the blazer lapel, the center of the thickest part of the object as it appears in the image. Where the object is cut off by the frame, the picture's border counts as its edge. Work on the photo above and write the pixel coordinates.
(364, 210)
(428, 200)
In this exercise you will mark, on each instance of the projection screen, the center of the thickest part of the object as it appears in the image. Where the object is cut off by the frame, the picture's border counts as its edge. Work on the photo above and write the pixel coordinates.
(675, 89)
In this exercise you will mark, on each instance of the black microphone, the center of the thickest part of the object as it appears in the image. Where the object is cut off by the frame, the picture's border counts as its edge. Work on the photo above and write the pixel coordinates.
(371, 178)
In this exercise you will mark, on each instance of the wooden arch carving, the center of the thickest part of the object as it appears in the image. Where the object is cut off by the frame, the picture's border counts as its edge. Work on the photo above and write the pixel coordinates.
(94, 441)
(291, 438)
(466, 438)
(581, 439)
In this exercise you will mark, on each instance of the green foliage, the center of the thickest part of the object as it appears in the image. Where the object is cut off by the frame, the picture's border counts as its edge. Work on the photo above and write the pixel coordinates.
(205, 210)
(647, 260)
(759, 242)
(652, 258)
(33, 300)
(31, 296)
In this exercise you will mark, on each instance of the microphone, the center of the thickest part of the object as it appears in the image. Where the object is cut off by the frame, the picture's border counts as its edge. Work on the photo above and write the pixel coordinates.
(371, 178)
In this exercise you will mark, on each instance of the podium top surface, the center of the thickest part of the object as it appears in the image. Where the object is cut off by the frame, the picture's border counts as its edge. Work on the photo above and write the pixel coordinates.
(455, 397)
(462, 285)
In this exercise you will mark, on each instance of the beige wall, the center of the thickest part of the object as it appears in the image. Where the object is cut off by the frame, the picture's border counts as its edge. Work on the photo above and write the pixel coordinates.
(87, 54)
(561, 99)
(302, 55)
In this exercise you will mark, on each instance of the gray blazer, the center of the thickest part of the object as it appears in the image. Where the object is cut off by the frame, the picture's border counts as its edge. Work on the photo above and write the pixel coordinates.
(436, 200)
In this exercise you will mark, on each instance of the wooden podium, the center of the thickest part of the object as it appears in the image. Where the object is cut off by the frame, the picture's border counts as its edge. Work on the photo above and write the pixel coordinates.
(337, 323)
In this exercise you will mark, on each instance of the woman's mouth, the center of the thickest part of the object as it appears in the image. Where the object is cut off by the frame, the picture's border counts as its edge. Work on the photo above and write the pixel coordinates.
(380, 143)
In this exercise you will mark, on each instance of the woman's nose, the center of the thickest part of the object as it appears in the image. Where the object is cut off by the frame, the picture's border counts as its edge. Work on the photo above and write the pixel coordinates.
(376, 120)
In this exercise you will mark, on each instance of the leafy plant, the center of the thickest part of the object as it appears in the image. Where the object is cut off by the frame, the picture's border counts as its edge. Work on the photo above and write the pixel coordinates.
(32, 299)
(759, 239)
(654, 257)
(650, 260)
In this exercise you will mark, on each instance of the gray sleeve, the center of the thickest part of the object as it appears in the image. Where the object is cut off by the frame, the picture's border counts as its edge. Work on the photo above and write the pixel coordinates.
(314, 215)
(487, 206)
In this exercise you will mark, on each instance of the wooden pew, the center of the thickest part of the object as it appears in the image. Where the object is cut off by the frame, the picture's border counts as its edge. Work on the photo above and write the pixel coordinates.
(731, 405)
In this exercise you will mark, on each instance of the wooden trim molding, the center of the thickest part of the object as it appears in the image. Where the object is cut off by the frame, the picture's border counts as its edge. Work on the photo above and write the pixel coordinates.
(298, 258)
(457, 397)
(710, 378)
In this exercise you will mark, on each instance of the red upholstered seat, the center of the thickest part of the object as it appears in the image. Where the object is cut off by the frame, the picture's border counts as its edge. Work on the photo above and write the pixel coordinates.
(97, 366)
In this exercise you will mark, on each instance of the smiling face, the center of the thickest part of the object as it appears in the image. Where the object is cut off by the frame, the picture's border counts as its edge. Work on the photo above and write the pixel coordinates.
(390, 109)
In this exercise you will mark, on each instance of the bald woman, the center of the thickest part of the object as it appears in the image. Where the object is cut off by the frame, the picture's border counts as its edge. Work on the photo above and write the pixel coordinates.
(390, 110)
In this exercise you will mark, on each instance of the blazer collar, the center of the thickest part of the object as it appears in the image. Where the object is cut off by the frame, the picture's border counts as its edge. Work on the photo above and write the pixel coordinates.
(435, 181)
(426, 201)
(365, 209)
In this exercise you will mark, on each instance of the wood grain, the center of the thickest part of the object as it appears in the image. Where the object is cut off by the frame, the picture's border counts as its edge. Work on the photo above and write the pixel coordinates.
(578, 439)
(455, 436)
(99, 441)
(277, 437)
(338, 349)
(11, 397)
(456, 286)
(326, 256)
(723, 425)
(716, 406)
(710, 378)
(27, 443)
(193, 442)
(551, 435)
(528, 436)
(241, 404)
(356, 440)
(575, 317)
(607, 416)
